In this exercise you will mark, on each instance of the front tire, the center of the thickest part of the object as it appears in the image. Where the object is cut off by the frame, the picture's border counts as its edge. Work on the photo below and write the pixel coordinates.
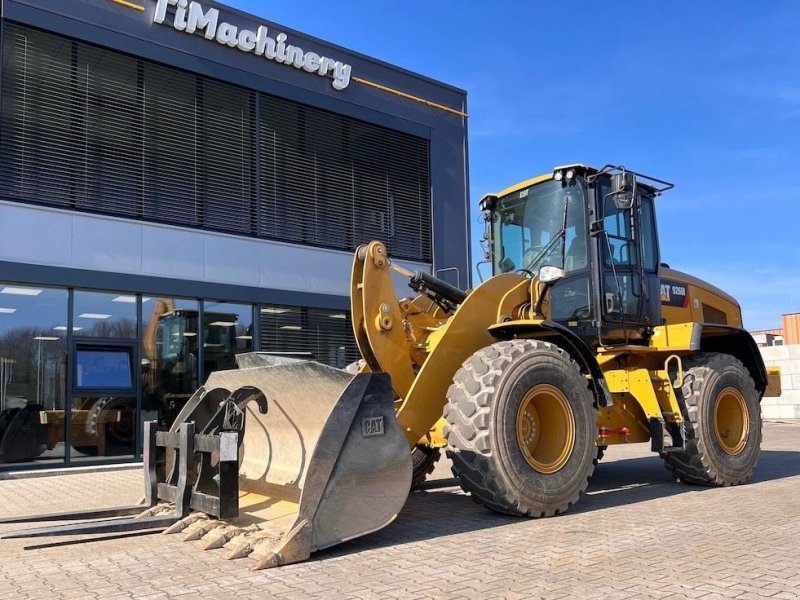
(521, 428)
(722, 422)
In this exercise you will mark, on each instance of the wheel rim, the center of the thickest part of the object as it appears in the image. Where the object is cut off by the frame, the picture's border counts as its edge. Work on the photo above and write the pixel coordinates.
(731, 421)
(545, 429)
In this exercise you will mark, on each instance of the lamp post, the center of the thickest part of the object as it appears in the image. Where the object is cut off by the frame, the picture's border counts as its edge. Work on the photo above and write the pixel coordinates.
(39, 374)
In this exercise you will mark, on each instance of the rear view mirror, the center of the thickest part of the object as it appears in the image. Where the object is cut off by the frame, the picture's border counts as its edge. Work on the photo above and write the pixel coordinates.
(550, 274)
(506, 265)
(623, 188)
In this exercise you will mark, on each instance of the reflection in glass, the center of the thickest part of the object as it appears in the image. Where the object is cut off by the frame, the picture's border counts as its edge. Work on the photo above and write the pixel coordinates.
(102, 427)
(32, 373)
(319, 334)
(103, 368)
(170, 372)
(227, 331)
(104, 315)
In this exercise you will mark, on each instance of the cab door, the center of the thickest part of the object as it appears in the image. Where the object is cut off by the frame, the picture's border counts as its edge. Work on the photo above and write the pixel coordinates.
(628, 258)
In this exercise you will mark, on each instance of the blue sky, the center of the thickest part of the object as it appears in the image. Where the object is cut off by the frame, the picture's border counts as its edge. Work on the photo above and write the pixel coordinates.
(703, 94)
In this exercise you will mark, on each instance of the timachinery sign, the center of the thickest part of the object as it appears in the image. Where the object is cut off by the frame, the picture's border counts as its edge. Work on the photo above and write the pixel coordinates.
(192, 17)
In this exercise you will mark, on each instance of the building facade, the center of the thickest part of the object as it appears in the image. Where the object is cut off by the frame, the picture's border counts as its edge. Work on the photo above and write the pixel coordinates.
(181, 182)
(781, 348)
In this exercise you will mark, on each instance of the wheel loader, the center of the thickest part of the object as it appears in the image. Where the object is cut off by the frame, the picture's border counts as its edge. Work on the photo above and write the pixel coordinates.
(580, 340)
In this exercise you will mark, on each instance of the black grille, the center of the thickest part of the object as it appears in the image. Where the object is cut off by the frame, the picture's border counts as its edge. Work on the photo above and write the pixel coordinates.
(714, 315)
(323, 335)
(98, 131)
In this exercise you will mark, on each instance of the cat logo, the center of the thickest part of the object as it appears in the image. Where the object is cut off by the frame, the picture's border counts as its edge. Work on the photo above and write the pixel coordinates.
(674, 293)
(372, 426)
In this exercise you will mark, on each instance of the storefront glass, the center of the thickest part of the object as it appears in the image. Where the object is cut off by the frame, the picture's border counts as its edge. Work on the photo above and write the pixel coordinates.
(33, 358)
(227, 331)
(102, 427)
(116, 366)
(170, 358)
(104, 315)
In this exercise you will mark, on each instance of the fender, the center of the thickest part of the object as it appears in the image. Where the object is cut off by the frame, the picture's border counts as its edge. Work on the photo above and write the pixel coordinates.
(710, 337)
(567, 339)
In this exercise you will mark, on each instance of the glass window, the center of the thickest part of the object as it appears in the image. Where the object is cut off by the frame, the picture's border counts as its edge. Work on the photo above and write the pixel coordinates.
(649, 244)
(33, 348)
(534, 227)
(622, 294)
(320, 334)
(104, 315)
(103, 368)
(619, 248)
(170, 370)
(102, 427)
(571, 300)
(97, 130)
(227, 331)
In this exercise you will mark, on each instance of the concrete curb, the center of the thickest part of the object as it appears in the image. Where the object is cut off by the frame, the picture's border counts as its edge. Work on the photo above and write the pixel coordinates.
(69, 471)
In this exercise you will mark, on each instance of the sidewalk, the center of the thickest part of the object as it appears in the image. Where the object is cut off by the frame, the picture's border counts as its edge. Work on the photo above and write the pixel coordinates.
(636, 534)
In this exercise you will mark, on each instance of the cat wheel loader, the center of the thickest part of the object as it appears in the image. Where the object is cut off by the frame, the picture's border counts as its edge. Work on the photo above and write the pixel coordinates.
(580, 340)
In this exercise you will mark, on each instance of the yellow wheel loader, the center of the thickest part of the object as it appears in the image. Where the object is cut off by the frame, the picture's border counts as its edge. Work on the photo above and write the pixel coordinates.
(581, 339)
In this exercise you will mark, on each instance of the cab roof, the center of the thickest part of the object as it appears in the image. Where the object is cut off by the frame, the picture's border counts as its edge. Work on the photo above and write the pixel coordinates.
(541, 178)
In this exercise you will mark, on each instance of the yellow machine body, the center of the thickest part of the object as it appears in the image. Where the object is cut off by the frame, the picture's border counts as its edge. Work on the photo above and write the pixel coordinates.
(642, 379)
(528, 399)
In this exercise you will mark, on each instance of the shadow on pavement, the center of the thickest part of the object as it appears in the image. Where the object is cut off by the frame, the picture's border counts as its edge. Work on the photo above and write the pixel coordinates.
(776, 464)
(440, 509)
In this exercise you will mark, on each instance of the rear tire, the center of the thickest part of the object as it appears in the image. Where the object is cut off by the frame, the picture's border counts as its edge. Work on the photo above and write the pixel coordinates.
(521, 428)
(423, 462)
(722, 415)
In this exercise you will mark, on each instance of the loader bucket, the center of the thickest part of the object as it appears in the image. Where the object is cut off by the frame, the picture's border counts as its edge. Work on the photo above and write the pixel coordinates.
(325, 463)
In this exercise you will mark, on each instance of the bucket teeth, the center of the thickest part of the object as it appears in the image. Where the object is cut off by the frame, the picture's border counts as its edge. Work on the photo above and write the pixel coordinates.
(265, 560)
(240, 544)
(223, 534)
(253, 542)
(186, 522)
(197, 530)
(246, 542)
(238, 549)
(162, 508)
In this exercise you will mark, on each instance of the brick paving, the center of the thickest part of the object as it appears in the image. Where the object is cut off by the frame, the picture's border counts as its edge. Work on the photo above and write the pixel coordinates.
(636, 534)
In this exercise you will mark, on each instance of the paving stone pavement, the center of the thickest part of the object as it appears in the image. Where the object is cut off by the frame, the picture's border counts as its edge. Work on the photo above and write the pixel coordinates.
(635, 534)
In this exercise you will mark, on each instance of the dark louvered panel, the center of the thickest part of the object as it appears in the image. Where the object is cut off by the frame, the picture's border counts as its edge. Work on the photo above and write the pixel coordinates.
(171, 171)
(325, 335)
(41, 128)
(333, 181)
(226, 147)
(287, 173)
(98, 131)
(113, 130)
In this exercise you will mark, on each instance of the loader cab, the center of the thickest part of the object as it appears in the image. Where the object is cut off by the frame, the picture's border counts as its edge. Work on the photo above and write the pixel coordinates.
(174, 368)
(589, 236)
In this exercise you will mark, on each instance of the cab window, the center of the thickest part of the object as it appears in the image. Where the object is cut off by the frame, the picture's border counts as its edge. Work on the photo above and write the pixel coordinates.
(648, 235)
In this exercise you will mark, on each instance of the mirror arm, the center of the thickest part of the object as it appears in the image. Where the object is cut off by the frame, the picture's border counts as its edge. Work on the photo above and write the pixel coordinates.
(543, 289)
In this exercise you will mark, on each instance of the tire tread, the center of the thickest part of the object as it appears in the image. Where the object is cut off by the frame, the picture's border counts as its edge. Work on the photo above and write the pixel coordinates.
(469, 422)
(692, 465)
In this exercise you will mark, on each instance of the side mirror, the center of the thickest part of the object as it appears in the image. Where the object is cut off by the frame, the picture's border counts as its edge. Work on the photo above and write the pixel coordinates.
(506, 265)
(550, 274)
(623, 188)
